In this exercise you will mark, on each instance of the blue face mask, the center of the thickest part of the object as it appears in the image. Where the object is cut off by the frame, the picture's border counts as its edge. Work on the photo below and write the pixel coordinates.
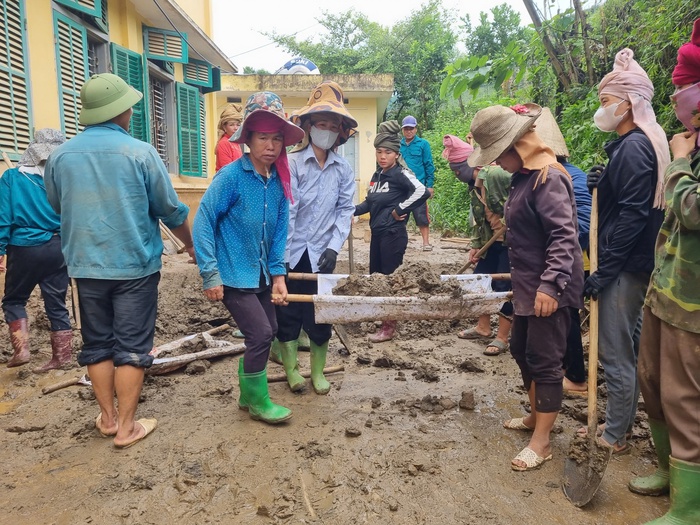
(323, 138)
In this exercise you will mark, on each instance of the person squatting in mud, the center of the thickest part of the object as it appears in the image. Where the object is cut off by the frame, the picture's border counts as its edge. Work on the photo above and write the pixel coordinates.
(320, 218)
(546, 263)
(393, 192)
(240, 235)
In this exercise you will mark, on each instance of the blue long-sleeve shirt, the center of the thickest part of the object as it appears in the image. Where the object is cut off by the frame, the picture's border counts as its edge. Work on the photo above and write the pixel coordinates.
(110, 190)
(321, 214)
(240, 230)
(583, 203)
(419, 159)
(26, 217)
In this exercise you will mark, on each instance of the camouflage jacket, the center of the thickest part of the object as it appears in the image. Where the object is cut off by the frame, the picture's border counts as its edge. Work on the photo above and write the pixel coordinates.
(496, 183)
(674, 291)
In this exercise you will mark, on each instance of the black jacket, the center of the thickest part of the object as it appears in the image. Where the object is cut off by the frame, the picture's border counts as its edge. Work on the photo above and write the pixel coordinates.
(397, 189)
(627, 221)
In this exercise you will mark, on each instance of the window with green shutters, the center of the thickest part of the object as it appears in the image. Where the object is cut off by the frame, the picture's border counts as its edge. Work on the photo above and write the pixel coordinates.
(189, 130)
(15, 107)
(89, 7)
(128, 65)
(161, 44)
(197, 73)
(203, 134)
(72, 69)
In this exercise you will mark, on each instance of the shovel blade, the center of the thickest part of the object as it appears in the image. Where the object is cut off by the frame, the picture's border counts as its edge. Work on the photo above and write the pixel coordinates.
(584, 470)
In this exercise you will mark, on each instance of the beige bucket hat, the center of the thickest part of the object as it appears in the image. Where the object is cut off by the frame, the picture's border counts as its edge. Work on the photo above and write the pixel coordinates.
(497, 128)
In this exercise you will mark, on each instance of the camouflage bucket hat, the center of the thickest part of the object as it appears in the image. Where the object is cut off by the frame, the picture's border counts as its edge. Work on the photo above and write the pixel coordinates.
(327, 97)
(270, 103)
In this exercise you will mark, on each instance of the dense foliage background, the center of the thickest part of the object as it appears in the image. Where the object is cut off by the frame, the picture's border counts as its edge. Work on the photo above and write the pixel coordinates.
(555, 61)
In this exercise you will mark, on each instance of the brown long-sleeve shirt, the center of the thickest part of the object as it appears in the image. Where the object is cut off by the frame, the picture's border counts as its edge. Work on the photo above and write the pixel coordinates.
(543, 246)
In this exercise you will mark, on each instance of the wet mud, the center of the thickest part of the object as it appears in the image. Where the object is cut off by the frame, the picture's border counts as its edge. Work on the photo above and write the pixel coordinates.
(410, 433)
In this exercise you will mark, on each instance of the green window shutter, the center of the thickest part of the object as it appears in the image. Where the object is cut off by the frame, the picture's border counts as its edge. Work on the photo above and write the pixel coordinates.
(188, 130)
(90, 7)
(203, 134)
(72, 69)
(161, 44)
(128, 66)
(15, 126)
(102, 21)
(198, 73)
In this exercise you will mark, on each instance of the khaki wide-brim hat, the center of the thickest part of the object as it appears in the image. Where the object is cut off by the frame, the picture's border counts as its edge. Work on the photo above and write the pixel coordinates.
(270, 103)
(327, 97)
(497, 128)
(548, 130)
(104, 97)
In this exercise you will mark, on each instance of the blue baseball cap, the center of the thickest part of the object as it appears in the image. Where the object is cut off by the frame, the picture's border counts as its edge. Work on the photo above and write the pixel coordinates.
(409, 122)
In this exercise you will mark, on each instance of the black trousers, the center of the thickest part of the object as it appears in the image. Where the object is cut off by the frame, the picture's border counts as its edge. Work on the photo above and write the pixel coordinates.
(538, 345)
(29, 266)
(291, 318)
(254, 314)
(573, 359)
(386, 250)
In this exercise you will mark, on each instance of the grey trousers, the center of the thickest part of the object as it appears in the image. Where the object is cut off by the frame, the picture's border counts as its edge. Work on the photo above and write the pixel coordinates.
(620, 325)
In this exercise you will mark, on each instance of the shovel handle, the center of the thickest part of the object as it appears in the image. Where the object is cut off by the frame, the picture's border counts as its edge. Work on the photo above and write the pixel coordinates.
(593, 322)
(294, 276)
(59, 386)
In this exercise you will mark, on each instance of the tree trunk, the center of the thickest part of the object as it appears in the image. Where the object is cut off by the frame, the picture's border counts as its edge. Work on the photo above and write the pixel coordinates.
(564, 79)
(586, 47)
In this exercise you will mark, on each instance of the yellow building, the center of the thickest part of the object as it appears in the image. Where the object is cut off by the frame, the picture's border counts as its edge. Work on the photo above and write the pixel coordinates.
(366, 97)
(49, 48)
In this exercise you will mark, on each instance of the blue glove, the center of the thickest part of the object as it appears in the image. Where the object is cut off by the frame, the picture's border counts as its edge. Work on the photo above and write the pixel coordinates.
(326, 263)
(593, 176)
(592, 287)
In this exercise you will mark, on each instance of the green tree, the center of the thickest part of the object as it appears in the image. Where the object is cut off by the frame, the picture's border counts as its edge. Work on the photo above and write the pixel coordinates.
(490, 38)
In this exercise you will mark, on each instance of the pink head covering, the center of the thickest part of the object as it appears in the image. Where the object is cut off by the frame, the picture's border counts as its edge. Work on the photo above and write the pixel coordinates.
(266, 122)
(456, 150)
(630, 82)
(687, 70)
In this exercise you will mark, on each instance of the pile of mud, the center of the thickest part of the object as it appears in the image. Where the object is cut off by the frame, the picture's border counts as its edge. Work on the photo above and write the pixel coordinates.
(412, 279)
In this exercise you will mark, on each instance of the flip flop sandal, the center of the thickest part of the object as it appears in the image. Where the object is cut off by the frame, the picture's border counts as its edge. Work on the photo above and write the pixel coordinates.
(149, 425)
(427, 248)
(625, 449)
(500, 347)
(471, 333)
(517, 424)
(531, 459)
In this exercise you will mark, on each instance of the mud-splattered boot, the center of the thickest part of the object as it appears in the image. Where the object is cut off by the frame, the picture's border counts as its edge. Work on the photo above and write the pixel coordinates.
(685, 494)
(19, 337)
(657, 483)
(276, 352)
(61, 351)
(291, 365)
(318, 362)
(385, 333)
(303, 342)
(255, 392)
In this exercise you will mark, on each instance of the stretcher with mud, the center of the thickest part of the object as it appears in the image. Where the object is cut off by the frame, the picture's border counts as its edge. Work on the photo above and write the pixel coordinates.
(477, 299)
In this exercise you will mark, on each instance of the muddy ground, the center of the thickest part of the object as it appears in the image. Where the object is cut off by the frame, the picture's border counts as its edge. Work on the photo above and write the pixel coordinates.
(390, 444)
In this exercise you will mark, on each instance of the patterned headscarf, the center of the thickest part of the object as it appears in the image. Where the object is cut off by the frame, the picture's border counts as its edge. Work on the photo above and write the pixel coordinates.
(630, 82)
(456, 150)
(45, 141)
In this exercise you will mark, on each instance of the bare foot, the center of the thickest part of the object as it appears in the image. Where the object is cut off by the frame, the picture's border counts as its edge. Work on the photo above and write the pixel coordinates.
(105, 427)
(570, 386)
(543, 451)
(140, 429)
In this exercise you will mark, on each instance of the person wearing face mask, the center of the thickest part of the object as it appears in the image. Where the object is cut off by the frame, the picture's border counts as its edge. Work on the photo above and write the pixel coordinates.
(320, 217)
(630, 212)
(669, 363)
(488, 190)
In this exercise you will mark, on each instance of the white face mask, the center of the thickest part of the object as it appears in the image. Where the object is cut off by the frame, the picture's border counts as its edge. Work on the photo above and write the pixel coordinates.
(605, 118)
(323, 138)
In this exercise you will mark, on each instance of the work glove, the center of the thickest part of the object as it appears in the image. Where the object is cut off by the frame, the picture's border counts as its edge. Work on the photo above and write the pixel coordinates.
(326, 263)
(593, 176)
(592, 287)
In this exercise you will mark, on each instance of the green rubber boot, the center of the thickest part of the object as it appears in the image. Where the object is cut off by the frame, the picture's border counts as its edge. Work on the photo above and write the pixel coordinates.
(276, 352)
(255, 392)
(291, 365)
(657, 483)
(242, 402)
(318, 361)
(685, 494)
(304, 342)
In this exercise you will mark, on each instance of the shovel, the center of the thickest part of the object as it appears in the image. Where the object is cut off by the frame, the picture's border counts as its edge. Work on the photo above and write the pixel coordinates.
(83, 380)
(587, 460)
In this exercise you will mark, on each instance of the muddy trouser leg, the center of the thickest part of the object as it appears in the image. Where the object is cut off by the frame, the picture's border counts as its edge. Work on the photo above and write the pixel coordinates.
(573, 359)
(23, 273)
(289, 318)
(254, 314)
(54, 285)
(620, 320)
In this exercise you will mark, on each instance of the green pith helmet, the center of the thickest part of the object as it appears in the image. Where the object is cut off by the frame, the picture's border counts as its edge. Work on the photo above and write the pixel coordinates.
(104, 97)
